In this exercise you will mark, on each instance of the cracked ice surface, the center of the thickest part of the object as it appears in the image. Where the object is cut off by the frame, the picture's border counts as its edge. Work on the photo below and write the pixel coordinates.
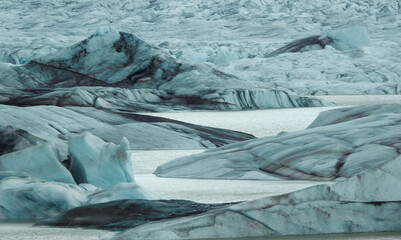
(234, 35)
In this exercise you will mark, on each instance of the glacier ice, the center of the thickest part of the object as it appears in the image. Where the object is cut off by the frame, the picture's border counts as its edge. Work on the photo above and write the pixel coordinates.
(57, 124)
(125, 64)
(249, 29)
(23, 197)
(352, 38)
(368, 202)
(347, 39)
(122, 191)
(34, 184)
(99, 163)
(124, 214)
(7, 174)
(12, 140)
(347, 114)
(28, 198)
(339, 144)
(40, 162)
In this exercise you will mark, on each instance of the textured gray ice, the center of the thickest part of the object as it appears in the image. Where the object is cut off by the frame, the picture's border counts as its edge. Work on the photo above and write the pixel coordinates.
(234, 35)
(368, 202)
(339, 144)
(34, 183)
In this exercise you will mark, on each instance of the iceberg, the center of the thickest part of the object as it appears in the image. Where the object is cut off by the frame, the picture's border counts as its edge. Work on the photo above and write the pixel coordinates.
(335, 116)
(99, 163)
(41, 162)
(39, 124)
(28, 198)
(34, 184)
(368, 202)
(339, 144)
(120, 191)
(24, 197)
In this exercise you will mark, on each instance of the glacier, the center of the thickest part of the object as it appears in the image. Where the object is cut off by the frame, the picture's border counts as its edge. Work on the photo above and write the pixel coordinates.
(12, 140)
(339, 144)
(234, 36)
(348, 39)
